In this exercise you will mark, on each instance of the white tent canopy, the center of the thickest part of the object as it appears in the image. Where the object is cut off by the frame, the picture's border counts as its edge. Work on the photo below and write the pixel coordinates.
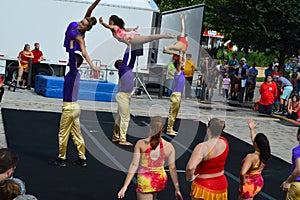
(137, 4)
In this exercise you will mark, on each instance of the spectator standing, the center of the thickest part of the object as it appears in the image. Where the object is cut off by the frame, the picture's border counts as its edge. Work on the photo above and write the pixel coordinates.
(175, 98)
(205, 168)
(232, 65)
(251, 180)
(170, 75)
(223, 71)
(189, 73)
(275, 62)
(269, 70)
(38, 55)
(286, 88)
(24, 61)
(240, 76)
(225, 86)
(268, 91)
(150, 154)
(292, 184)
(123, 97)
(245, 65)
(252, 74)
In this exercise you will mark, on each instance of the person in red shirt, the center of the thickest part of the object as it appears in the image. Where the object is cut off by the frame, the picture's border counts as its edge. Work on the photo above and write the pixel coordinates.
(24, 60)
(268, 91)
(38, 55)
(276, 72)
(294, 107)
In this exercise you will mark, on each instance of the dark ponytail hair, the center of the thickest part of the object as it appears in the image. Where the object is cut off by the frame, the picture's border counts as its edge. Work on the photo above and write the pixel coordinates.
(263, 144)
(117, 21)
(92, 21)
(156, 128)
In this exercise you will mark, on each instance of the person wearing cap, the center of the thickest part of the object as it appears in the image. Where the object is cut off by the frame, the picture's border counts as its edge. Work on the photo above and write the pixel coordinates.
(286, 88)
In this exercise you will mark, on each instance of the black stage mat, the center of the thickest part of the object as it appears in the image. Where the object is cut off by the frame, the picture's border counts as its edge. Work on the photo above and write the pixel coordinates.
(34, 136)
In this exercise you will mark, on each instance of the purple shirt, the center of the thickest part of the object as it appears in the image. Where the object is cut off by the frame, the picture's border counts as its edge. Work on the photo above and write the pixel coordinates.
(72, 79)
(179, 81)
(70, 34)
(126, 76)
(296, 154)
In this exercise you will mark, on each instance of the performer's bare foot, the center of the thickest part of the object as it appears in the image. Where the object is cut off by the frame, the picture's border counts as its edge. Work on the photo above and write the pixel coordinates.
(173, 133)
(170, 36)
(125, 143)
(115, 140)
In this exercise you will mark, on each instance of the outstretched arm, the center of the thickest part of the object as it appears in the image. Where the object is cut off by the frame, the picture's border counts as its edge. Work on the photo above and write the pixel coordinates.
(182, 25)
(111, 27)
(91, 8)
(86, 56)
(252, 129)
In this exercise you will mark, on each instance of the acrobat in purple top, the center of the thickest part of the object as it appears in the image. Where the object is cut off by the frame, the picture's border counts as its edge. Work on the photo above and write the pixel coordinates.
(178, 83)
(296, 155)
(72, 79)
(70, 34)
(126, 76)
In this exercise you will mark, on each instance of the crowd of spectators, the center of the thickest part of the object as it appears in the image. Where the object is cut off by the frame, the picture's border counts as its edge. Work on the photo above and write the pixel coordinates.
(280, 91)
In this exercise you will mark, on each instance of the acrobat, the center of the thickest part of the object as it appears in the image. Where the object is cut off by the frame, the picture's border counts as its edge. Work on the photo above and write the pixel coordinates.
(117, 27)
(179, 47)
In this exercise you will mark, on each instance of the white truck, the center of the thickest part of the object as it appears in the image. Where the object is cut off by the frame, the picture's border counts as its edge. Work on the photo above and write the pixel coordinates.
(45, 21)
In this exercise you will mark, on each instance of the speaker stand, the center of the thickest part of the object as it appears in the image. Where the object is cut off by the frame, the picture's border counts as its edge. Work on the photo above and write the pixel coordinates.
(137, 79)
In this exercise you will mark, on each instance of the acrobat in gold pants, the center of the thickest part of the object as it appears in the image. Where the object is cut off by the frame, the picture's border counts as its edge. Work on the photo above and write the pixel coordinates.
(123, 116)
(70, 124)
(175, 100)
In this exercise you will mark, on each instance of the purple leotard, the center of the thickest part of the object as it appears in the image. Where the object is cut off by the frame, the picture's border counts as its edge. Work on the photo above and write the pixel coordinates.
(70, 34)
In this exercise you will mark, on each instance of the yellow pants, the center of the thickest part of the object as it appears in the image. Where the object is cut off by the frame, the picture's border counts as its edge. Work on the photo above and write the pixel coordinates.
(294, 191)
(175, 100)
(69, 124)
(123, 116)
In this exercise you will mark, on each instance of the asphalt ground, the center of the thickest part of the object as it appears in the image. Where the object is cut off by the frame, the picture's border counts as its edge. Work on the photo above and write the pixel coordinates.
(33, 134)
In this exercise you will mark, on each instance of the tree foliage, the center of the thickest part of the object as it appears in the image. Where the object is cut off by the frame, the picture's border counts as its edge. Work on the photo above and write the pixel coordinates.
(255, 24)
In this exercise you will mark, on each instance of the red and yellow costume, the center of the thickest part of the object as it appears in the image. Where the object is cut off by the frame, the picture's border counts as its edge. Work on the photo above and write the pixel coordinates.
(254, 181)
(211, 188)
(152, 176)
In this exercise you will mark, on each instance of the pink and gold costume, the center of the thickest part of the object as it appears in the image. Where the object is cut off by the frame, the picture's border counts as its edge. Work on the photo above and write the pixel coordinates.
(152, 176)
(254, 181)
(211, 188)
(122, 36)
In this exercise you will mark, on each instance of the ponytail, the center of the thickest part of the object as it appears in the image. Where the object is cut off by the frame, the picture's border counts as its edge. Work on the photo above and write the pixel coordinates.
(156, 129)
